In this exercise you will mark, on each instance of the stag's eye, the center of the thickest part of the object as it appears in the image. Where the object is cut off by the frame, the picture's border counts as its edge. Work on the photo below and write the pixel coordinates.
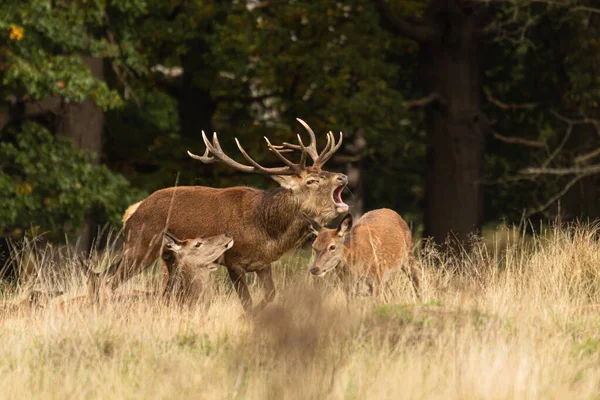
(311, 181)
(198, 244)
(332, 247)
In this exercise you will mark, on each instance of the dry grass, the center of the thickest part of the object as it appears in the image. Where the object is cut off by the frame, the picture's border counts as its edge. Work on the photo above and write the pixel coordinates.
(513, 318)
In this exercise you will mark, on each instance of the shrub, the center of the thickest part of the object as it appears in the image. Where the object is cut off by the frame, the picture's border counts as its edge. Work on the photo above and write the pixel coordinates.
(49, 186)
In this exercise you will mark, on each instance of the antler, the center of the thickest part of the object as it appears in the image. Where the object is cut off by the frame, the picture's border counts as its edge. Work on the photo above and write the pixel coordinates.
(217, 152)
(291, 168)
(318, 159)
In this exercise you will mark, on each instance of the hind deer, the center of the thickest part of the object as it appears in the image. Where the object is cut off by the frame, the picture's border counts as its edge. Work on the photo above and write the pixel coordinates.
(265, 224)
(190, 263)
(376, 245)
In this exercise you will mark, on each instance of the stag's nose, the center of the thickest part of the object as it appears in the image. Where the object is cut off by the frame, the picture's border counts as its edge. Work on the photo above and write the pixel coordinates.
(342, 179)
(228, 235)
(314, 271)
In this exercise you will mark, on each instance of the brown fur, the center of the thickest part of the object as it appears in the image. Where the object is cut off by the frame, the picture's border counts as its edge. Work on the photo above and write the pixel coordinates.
(130, 210)
(187, 262)
(265, 224)
(190, 266)
(377, 244)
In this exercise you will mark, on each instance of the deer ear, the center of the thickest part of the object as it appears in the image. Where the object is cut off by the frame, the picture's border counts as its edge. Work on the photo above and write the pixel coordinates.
(345, 225)
(315, 227)
(286, 181)
(171, 242)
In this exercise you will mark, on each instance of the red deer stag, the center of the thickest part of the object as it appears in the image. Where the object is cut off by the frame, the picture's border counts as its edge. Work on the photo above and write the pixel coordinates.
(376, 245)
(265, 224)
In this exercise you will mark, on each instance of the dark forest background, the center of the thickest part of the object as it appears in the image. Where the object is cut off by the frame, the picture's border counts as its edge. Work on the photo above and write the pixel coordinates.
(457, 114)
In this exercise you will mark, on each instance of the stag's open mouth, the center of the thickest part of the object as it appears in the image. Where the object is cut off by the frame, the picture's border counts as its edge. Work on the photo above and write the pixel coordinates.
(340, 206)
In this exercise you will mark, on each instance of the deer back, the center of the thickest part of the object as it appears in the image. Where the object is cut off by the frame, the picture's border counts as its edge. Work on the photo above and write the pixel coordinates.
(197, 211)
(380, 241)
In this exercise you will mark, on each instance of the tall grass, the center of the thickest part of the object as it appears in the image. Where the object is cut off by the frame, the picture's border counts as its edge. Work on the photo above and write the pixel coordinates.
(513, 317)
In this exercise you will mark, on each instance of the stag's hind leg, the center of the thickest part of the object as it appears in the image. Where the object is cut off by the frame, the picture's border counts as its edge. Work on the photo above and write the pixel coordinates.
(265, 280)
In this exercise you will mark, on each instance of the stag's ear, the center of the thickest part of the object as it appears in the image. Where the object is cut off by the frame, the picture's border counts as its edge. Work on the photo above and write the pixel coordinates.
(315, 227)
(286, 181)
(345, 225)
(171, 242)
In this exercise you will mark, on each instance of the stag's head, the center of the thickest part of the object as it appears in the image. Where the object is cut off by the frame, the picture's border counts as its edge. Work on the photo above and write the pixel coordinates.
(328, 247)
(198, 252)
(318, 192)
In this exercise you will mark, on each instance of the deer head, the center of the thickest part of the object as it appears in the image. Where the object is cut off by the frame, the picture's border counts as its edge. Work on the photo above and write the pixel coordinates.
(197, 252)
(318, 192)
(328, 247)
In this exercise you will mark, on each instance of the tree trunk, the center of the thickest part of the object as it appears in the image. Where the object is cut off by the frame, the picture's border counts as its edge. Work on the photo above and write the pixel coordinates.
(84, 124)
(455, 132)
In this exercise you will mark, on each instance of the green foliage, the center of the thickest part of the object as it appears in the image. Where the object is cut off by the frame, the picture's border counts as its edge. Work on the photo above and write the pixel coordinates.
(50, 186)
(330, 64)
(42, 44)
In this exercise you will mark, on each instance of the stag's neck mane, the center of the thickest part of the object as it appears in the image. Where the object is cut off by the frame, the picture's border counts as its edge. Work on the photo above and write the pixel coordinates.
(280, 217)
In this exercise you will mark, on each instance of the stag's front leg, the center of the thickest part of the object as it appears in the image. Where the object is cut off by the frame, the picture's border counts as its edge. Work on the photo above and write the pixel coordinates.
(238, 278)
(265, 280)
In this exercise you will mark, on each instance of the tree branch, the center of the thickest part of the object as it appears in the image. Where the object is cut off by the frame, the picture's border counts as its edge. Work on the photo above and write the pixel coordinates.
(417, 31)
(557, 196)
(585, 9)
(425, 101)
(509, 106)
(580, 121)
(582, 171)
(587, 156)
(517, 140)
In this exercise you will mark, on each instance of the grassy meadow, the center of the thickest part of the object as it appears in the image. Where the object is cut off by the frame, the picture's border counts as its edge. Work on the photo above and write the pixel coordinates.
(516, 317)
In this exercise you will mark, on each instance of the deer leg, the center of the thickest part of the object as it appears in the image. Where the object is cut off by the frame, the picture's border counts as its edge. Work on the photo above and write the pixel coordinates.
(170, 279)
(265, 280)
(238, 278)
(413, 274)
(165, 275)
(346, 281)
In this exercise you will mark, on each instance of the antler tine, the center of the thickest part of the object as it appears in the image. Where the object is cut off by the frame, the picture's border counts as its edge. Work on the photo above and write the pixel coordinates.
(312, 151)
(268, 171)
(282, 149)
(287, 147)
(205, 158)
(303, 160)
(312, 147)
(215, 149)
(330, 149)
(215, 142)
(279, 155)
